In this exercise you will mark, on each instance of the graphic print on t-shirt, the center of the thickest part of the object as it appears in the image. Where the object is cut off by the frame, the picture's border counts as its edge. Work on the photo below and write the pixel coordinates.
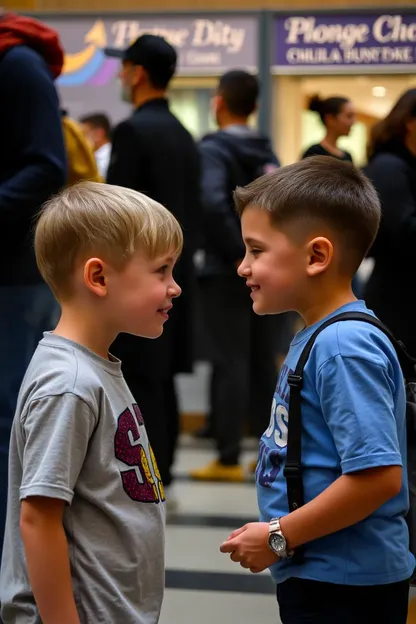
(140, 483)
(274, 441)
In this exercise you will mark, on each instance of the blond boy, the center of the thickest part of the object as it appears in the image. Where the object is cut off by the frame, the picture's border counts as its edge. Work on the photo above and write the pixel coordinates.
(85, 520)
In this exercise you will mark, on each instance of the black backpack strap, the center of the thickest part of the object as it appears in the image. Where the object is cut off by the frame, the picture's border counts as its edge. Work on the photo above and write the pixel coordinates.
(293, 467)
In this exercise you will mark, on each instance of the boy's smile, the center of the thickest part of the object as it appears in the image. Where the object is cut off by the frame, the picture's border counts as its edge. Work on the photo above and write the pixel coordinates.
(274, 266)
(142, 294)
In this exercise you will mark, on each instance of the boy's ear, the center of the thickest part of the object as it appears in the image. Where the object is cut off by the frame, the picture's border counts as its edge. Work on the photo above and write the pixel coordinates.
(95, 277)
(320, 254)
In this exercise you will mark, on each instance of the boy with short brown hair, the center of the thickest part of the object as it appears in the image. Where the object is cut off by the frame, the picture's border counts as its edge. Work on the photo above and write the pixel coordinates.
(85, 521)
(307, 228)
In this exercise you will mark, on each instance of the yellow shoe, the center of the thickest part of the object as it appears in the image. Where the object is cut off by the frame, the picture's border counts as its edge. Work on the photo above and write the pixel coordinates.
(215, 471)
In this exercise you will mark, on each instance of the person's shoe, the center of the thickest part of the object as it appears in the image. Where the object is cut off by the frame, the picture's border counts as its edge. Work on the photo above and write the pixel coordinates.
(215, 471)
(252, 467)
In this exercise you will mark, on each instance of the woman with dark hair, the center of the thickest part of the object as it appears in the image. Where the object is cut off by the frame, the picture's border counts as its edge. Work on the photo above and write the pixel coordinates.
(392, 169)
(338, 116)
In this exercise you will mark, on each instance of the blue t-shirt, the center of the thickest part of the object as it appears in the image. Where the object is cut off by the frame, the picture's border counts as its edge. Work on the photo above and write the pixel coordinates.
(353, 418)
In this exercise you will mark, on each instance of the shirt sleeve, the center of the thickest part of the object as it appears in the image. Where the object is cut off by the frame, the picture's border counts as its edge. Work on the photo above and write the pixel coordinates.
(357, 400)
(56, 431)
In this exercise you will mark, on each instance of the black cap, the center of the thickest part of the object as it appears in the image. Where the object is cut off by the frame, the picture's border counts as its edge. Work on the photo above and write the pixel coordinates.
(153, 53)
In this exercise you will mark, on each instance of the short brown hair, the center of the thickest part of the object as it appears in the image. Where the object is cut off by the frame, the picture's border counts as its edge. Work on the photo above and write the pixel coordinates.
(104, 220)
(320, 189)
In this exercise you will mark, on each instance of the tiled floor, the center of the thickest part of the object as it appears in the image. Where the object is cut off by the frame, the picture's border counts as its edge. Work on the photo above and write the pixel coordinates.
(203, 585)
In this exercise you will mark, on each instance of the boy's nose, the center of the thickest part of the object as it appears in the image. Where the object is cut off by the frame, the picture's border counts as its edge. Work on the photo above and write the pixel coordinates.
(243, 270)
(175, 290)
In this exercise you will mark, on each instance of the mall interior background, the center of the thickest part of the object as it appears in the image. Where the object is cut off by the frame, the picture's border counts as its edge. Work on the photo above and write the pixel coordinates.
(292, 126)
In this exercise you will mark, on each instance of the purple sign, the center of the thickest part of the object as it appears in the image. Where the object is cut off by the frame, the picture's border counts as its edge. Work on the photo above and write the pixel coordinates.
(204, 45)
(348, 42)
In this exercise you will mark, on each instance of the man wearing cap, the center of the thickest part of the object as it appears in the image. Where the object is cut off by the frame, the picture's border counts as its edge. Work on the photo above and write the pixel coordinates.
(153, 153)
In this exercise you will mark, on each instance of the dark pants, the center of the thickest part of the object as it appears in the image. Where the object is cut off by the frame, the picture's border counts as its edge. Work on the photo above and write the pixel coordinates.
(25, 313)
(242, 348)
(312, 602)
(157, 401)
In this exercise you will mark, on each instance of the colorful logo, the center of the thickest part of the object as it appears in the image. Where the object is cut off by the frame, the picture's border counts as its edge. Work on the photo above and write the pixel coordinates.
(90, 65)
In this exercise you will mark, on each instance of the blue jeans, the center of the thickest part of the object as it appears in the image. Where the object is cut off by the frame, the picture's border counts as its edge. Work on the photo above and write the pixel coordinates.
(25, 312)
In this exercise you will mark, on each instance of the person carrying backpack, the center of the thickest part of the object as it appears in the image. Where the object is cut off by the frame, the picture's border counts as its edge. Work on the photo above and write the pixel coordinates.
(241, 347)
(332, 481)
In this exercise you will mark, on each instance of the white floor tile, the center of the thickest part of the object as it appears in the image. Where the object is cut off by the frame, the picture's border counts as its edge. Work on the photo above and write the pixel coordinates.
(189, 548)
(216, 499)
(191, 607)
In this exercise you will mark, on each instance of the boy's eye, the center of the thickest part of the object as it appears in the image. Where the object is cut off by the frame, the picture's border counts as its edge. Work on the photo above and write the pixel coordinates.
(162, 269)
(255, 252)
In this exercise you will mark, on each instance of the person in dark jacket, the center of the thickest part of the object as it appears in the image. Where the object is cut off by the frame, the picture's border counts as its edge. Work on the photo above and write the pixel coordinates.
(153, 153)
(32, 168)
(338, 116)
(243, 346)
(392, 169)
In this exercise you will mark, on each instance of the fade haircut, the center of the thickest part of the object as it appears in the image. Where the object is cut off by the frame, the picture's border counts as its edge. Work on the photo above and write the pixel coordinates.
(93, 219)
(320, 190)
(240, 91)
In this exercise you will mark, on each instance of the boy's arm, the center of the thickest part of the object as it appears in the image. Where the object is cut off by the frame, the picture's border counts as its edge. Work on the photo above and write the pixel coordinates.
(56, 431)
(350, 499)
(47, 557)
(358, 407)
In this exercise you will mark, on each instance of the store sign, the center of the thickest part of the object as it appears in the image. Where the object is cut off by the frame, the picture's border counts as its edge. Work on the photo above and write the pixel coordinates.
(345, 41)
(204, 45)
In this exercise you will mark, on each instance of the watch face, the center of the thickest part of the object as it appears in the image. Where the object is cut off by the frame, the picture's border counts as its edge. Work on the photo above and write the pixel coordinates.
(277, 543)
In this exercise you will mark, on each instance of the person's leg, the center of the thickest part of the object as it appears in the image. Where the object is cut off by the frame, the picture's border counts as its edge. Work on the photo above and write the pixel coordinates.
(173, 424)
(263, 370)
(149, 395)
(25, 312)
(227, 309)
(207, 431)
(385, 604)
(313, 602)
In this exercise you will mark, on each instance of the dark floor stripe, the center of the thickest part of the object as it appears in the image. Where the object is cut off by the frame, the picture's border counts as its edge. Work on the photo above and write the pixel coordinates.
(219, 581)
(183, 477)
(201, 520)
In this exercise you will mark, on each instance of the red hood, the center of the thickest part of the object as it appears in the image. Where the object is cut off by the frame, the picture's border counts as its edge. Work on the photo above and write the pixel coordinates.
(16, 30)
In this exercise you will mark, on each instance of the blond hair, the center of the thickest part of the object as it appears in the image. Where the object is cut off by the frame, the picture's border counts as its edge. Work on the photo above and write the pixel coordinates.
(101, 220)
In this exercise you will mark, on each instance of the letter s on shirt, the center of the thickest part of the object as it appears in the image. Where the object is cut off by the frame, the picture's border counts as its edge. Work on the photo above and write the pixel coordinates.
(278, 424)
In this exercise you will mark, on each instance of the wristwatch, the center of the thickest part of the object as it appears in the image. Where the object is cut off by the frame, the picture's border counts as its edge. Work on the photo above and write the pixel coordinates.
(277, 541)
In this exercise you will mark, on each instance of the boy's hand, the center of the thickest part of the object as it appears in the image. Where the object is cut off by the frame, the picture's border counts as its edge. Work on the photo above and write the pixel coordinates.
(249, 546)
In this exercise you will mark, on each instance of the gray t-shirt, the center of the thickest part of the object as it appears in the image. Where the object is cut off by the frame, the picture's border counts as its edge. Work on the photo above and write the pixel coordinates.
(78, 436)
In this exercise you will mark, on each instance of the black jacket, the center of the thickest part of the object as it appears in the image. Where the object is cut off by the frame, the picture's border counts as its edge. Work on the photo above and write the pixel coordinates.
(229, 158)
(33, 162)
(318, 150)
(153, 153)
(390, 291)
